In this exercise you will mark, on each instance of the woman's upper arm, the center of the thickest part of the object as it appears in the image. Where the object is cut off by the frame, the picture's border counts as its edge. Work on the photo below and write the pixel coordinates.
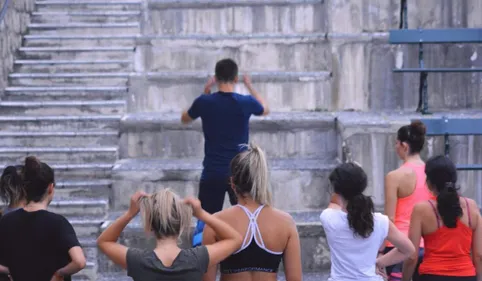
(292, 255)
(77, 255)
(209, 238)
(115, 252)
(391, 195)
(477, 236)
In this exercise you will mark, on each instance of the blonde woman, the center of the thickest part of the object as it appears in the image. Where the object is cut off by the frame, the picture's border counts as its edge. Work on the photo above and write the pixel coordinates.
(167, 217)
(270, 235)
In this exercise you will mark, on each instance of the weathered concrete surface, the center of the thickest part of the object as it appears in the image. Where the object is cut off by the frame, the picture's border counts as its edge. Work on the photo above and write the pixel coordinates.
(444, 14)
(175, 91)
(228, 17)
(354, 17)
(12, 26)
(304, 180)
(315, 254)
(371, 139)
(290, 135)
(265, 52)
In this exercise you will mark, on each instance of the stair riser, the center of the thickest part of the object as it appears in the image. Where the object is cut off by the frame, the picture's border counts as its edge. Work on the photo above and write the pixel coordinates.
(251, 55)
(87, 274)
(316, 143)
(58, 68)
(87, 81)
(62, 110)
(86, 230)
(99, 192)
(85, 7)
(54, 141)
(96, 212)
(90, 252)
(63, 96)
(77, 55)
(82, 174)
(84, 31)
(71, 158)
(63, 19)
(307, 189)
(175, 96)
(301, 18)
(101, 42)
(58, 125)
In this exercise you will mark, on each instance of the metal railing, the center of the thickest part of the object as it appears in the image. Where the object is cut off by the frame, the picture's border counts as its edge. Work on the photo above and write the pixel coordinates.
(3, 12)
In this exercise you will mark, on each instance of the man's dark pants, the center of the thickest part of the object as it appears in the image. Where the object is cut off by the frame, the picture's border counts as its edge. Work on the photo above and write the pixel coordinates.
(212, 192)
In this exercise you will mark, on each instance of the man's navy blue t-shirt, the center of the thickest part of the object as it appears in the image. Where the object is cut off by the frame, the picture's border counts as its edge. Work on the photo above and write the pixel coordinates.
(225, 122)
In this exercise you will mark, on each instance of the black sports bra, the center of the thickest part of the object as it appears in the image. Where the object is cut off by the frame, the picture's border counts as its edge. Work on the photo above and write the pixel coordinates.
(253, 255)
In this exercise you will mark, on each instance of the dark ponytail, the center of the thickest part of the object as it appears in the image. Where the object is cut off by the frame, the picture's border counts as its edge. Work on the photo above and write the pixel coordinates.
(442, 177)
(11, 186)
(37, 177)
(350, 181)
(413, 135)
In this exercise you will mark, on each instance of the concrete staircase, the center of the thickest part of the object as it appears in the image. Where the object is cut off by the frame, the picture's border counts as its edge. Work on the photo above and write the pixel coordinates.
(64, 104)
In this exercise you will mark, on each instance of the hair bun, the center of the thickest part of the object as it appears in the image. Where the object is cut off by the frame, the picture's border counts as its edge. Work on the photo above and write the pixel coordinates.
(32, 167)
(417, 128)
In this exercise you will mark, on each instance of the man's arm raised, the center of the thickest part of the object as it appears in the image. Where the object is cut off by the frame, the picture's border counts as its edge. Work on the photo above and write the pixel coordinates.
(193, 113)
(256, 95)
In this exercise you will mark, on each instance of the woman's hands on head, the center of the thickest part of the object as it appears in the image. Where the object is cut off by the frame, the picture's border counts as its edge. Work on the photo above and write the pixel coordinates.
(195, 204)
(134, 206)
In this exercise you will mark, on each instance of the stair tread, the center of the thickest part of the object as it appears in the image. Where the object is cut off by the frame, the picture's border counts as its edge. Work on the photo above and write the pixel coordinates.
(88, 13)
(57, 89)
(60, 117)
(56, 133)
(82, 25)
(187, 164)
(62, 103)
(69, 74)
(63, 166)
(70, 183)
(4, 149)
(92, 2)
(74, 49)
(71, 61)
(78, 202)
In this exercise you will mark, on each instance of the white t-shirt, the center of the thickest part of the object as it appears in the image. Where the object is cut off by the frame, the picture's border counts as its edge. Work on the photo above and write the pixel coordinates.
(353, 257)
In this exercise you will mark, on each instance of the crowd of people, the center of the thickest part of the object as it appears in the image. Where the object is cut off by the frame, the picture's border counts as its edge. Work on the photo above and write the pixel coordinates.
(428, 231)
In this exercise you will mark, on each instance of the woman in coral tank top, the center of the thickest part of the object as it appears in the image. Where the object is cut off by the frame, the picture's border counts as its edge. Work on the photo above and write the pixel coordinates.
(406, 186)
(451, 227)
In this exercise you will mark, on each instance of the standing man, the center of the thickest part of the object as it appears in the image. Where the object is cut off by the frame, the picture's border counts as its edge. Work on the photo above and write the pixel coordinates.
(225, 121)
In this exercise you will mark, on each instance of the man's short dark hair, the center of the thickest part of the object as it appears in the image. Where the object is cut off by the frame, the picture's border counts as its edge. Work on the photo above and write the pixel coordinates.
(226, 71)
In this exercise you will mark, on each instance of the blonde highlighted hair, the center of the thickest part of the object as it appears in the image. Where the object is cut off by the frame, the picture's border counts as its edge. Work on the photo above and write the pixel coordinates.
(250, 176)
(165, 215)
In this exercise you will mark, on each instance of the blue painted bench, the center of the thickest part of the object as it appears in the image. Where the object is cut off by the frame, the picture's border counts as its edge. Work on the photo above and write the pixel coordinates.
(454, 126)
(433, 36)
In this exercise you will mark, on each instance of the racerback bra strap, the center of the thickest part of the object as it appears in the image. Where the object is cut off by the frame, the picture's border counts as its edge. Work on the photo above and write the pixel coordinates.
(436, 213)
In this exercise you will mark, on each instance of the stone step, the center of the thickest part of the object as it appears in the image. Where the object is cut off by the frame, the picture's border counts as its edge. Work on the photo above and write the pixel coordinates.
(62, 107)
(87, 16)
(89, 245)
(99, 189)
(66, 78)
(77, 53)
(59, 123)
(94, 208)
(53, 66)
(315, 254)
(308, 135)
(75, 40)
(73, 155)
(79, 28)
(239, 16)
(89, 273)
(77, 172)
(54, 138)
(253, 52)
(86, 226)
(305, 180)
(82, 5)
(284, 91)
(64, 93)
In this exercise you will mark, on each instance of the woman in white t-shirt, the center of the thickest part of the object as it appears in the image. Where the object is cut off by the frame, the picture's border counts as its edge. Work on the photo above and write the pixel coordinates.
(355, 233)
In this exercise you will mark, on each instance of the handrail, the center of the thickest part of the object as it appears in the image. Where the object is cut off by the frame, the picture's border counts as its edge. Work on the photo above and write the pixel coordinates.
(3, 12)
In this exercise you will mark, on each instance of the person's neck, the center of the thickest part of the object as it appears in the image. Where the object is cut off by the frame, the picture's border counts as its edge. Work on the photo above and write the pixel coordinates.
(415, 158)
(248, 202)
(167, 244)
(226, 87)
(36, 206)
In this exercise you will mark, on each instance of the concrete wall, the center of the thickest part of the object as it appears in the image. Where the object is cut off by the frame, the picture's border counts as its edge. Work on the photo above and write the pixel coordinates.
(11, 29)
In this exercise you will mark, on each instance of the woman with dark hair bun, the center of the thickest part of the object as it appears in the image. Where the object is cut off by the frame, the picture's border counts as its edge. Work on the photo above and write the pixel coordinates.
(451, 227)
(355, 233)
(12, 191)
(36, 244)
(406, 186)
